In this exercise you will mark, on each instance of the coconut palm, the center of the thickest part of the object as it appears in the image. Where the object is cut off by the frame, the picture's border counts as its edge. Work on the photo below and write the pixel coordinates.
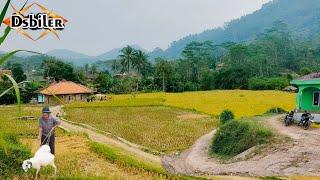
(115, 66)
(126, 58)
(140, 61)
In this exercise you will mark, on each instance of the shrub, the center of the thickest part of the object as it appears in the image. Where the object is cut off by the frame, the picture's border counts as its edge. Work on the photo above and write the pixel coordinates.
(275, 83)
(226, 116)
(276, 110)
(235, 137)
(12, 154)
(305, 71)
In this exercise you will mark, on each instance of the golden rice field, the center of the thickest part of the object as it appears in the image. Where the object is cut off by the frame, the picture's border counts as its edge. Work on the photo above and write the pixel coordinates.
(242, 102)
(158, 128)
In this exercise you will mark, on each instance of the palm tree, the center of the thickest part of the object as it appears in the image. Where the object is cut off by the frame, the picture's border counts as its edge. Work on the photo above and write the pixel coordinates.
(163, 69)
(140, 61)
(115, 66)
(126, 57)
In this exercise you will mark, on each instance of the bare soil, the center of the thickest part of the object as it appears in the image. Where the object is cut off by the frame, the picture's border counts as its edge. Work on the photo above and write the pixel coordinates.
(296, 157)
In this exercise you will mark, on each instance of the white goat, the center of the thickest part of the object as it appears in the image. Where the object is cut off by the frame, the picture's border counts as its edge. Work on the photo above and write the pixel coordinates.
(42, 157)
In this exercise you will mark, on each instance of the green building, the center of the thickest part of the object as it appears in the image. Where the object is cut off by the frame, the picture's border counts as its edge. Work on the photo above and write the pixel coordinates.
(309, 93)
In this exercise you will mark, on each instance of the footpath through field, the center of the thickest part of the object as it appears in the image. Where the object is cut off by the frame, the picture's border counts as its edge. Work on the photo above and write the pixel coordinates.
(104, 139)
(299, 156)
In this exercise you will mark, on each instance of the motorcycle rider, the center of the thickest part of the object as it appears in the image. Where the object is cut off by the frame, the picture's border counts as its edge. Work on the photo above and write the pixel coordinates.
(304, 117)
(288, 120)
(291, 113)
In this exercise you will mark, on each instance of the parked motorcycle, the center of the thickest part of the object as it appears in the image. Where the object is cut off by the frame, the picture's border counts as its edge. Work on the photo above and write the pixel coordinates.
(288, 120)
(306, 120)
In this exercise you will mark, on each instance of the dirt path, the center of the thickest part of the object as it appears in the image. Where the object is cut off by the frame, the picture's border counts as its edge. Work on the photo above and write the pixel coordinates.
(301, 156)
(104, 139)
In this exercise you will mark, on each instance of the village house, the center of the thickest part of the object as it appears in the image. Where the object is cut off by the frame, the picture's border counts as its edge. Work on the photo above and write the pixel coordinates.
(66, 91)
(308, 96)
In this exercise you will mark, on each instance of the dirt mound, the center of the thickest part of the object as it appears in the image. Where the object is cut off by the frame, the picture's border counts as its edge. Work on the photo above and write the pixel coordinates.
(297, 157)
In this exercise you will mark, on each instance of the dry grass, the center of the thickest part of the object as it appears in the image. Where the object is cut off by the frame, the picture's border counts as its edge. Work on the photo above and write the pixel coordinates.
(157, 127)
(74, 157)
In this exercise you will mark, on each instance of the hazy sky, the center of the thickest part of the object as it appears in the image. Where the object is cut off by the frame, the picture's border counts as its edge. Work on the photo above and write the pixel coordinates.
(96, 26)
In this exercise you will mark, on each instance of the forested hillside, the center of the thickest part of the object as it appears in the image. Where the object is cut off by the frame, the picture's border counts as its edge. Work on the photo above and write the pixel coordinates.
(302, 18)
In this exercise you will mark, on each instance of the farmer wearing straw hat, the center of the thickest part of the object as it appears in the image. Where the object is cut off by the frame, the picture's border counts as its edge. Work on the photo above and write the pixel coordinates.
(47, 124)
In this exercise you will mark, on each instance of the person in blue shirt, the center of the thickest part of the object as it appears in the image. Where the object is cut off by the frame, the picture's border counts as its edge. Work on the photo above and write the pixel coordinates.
(47, 125)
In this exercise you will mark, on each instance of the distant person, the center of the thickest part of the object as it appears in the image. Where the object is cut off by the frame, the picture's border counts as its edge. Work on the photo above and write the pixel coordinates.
(47, 125)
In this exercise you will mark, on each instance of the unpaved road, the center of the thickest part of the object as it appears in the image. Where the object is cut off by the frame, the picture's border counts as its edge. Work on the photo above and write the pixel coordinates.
(104, 139)
(301, 156)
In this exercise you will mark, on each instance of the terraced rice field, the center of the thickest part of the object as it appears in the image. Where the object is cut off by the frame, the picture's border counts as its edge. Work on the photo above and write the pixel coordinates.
(171, 122)
(75, 157)
(159, 128)
(242, 102)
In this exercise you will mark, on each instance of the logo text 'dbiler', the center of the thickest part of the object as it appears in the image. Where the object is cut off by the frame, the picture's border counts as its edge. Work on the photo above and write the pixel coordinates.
(45, 20)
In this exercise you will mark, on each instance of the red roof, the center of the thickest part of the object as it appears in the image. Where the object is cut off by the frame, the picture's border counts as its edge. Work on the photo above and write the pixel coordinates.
(66, 87)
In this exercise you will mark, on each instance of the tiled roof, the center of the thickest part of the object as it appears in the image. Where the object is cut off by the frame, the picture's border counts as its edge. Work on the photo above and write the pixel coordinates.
(66, 87)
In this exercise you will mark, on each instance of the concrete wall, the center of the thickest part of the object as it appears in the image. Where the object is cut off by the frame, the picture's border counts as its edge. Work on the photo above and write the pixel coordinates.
(297, 117)
(66, 98)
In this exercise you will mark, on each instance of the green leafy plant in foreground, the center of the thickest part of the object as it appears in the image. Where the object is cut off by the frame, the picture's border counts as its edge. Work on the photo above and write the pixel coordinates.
(10, 54)
(12, 153)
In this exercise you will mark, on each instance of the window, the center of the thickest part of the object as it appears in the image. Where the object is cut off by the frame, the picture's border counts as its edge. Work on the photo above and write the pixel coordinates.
(69, 98)
(316, 98)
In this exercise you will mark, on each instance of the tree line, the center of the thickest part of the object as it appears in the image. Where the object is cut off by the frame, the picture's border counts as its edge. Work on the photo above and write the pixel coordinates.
(269, 61)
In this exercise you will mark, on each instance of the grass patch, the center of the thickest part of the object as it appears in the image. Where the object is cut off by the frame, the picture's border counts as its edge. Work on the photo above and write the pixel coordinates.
(235, 137)
(276, 110)
(123, 159)
(12, 153)
(161, 128)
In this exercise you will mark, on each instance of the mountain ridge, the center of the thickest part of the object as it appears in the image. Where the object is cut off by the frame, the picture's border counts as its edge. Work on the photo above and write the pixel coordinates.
(303, 20)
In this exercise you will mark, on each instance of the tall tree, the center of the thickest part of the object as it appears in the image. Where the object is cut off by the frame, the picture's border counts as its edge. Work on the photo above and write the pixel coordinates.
(59, 70)
(126, 58)
(198, 56)
(163, 70)
(140, 61)
(115, 66)
(18, 73)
